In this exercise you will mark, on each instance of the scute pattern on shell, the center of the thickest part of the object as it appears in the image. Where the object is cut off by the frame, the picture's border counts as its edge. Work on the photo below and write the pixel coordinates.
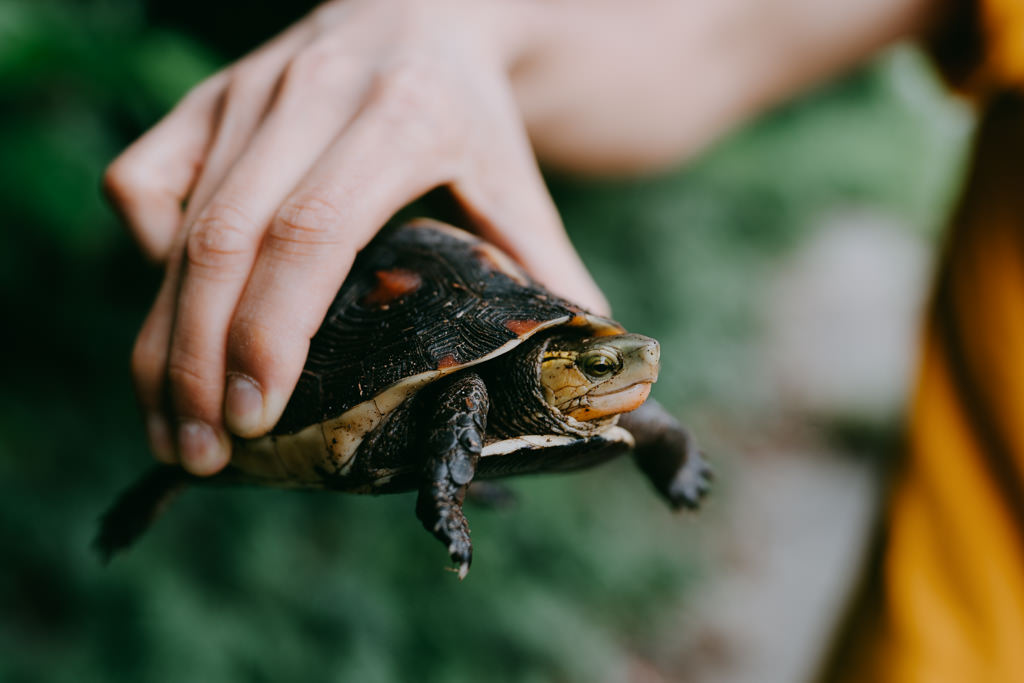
(419, 298)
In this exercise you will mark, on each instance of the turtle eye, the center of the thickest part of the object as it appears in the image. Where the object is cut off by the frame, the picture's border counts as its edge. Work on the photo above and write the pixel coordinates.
(599, 364)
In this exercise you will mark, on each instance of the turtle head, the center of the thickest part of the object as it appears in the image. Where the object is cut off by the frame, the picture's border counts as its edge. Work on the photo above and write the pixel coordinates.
(597, 377)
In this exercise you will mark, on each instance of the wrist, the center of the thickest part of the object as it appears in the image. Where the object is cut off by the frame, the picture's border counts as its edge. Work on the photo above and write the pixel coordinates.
(511, 30)
(620, 86)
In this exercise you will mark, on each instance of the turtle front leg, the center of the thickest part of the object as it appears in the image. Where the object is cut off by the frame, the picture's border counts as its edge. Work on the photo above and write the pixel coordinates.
(454, 440)
(668, 455)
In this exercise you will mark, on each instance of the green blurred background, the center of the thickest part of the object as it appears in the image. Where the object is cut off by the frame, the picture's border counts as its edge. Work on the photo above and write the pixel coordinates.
(584, 580)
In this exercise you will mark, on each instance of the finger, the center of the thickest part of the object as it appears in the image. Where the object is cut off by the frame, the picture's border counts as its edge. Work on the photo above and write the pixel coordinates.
(222, 246)
(149, 367)
(149, 181)
(505, 196)
(397, 148)
(201, 443)
(250, 87)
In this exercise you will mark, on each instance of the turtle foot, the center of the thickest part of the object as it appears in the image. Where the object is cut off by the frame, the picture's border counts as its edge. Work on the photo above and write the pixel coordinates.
(690, 484)
(669, 456)
(443, 518)
(454, 444)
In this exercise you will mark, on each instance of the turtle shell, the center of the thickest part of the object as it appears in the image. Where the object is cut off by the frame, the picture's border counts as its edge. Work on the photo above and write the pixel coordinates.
(422, 300)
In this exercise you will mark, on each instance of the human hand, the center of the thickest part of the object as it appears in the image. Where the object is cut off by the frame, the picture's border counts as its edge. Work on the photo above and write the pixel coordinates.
(288, 162)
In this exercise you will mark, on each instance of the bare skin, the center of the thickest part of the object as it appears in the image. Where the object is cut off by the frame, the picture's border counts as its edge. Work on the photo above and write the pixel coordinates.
(289, 160)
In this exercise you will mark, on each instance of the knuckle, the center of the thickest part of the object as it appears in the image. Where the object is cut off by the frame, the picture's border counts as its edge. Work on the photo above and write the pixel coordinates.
(114, 179)
(251, 345)
(413, 97)
(247, 77)
(409, 82)
(146, 368)
(220, 239)
(320, 65)
(148, 363)
(304, 224)
(189, 378)
(121, 181)
(183, 377)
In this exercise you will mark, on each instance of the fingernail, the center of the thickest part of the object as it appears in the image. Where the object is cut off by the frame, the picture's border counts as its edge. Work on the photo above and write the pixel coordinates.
(201, 450)
(243, 405)
(159, 434)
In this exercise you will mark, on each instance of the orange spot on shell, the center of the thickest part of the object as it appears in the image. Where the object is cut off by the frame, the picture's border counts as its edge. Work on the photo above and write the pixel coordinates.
(521, 327)
(447, 362)
(392, 284)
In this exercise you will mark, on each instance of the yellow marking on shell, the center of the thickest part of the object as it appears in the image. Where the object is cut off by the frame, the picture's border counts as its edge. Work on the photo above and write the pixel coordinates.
(612, 433)
(578, 320)
(343, 434)
(600, 327)
(282, 457)
(527, 441)
(609, 331)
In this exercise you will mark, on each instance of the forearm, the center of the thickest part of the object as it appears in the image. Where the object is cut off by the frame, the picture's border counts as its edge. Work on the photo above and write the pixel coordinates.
(623, 86)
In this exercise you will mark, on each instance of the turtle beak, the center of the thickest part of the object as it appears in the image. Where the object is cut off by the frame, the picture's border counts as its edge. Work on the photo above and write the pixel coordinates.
(641, 357)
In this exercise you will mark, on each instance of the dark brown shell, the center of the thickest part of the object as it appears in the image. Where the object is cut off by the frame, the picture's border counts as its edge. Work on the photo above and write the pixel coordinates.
(420, 298)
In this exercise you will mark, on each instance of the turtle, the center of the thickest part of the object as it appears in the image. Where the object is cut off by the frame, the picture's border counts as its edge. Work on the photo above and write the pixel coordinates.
(441, 363)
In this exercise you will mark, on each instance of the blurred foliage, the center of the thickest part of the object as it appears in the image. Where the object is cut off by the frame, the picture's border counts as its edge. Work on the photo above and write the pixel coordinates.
(577, 582)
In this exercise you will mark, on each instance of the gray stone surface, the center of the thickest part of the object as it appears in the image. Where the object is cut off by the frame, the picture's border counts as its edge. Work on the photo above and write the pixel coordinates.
(843, 317)
(788, 533)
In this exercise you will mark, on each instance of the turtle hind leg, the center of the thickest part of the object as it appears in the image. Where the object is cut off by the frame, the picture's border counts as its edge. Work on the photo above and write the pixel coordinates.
(668, 454)
(454, 440)
(136, 508)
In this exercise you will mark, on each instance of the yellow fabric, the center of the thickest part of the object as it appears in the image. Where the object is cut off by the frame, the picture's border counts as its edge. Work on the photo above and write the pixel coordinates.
(1002, 26)
(947, 604)
(954, 561)
(980, 45)
(952, 603)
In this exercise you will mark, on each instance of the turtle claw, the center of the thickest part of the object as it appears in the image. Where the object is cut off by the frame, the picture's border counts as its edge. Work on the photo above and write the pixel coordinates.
(453, 530)
(461, 552)
(462, 570)
(690, 484)
(460, 547)
(442, 516)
